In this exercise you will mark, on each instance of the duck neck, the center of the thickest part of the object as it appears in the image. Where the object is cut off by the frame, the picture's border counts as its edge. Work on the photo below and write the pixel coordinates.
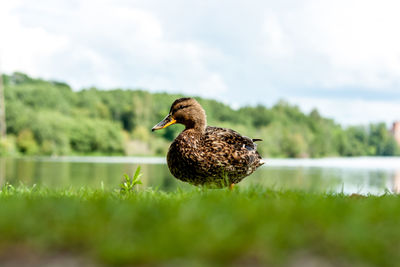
(198, 125)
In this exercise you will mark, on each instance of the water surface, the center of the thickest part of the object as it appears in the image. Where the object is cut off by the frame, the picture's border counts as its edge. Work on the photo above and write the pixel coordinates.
(363, 175)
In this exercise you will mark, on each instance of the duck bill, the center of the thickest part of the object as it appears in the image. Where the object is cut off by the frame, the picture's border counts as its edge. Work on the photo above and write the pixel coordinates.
(167, 121)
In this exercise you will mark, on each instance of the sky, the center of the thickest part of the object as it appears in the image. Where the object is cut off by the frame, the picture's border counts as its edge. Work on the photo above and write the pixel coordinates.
(341, 57)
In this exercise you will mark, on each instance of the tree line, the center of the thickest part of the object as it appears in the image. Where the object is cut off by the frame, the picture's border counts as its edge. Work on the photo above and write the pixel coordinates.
(49, 118)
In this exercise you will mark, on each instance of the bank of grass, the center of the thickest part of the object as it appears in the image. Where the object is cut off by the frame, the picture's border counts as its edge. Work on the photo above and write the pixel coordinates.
(245, 227)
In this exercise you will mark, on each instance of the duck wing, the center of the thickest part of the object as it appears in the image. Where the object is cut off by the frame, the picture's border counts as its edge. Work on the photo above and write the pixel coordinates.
(230, 149)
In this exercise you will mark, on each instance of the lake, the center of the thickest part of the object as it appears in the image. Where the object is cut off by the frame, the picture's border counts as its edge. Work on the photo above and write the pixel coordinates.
(363, 175)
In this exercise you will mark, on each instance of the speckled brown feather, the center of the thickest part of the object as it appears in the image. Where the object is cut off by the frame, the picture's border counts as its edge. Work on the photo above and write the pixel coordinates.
(204, 155)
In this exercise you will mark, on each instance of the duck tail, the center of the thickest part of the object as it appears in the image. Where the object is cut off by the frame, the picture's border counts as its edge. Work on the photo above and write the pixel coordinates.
(256, 139)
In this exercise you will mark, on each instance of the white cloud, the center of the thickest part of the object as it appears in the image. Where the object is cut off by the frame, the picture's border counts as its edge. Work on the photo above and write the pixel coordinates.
(25, 48)
(351, 43)
(235, 52)
(276, 44)
(109, 46)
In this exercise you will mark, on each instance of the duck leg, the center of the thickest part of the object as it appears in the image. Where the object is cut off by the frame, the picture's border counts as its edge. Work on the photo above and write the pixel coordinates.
(231, 186)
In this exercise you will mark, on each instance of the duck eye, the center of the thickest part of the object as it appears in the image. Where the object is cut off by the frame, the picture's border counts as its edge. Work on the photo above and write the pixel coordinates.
(182, 107)
(175, 109)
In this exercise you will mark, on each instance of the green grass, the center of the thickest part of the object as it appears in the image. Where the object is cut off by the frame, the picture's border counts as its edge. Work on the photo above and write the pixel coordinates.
(201, 227)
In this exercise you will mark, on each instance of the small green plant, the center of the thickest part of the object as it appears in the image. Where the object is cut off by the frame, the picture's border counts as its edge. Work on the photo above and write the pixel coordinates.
(129, 184)
(7, 189)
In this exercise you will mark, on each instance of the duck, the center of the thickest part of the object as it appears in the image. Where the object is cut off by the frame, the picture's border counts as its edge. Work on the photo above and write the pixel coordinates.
(206, 155)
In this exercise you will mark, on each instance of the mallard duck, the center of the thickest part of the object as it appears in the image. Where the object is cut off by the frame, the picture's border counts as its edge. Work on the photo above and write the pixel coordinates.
(205, 155)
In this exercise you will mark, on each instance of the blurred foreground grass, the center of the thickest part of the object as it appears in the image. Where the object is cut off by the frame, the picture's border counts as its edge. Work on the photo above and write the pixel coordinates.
(245, 227)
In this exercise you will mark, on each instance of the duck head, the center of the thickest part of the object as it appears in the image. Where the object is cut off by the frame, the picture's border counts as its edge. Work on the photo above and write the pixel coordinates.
(186, 111)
